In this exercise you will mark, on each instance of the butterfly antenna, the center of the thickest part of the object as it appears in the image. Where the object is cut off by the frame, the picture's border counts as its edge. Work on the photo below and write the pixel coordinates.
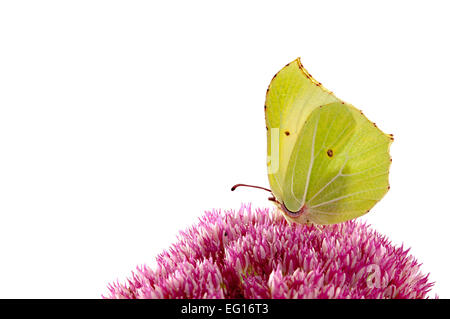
(252, 186)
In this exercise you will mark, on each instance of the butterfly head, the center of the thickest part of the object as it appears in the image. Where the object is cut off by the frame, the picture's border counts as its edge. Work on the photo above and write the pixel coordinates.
(301, 216)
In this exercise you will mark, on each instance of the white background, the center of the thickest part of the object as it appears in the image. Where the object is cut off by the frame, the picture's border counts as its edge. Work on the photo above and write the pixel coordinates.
(121, 122)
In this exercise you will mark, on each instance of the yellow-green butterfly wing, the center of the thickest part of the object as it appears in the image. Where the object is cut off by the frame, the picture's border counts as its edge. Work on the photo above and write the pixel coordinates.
(292, 95)
(327, 162)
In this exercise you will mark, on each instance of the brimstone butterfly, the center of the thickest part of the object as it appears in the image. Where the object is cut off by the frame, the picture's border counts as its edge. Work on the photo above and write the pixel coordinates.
(327, 163)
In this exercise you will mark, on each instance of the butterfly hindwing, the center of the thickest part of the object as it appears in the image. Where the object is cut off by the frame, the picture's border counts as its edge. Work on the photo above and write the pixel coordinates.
(339, 166)
(318, 153)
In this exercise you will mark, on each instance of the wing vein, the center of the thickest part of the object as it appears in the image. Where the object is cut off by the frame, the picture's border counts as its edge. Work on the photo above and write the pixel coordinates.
(344, 196)
(311, 162)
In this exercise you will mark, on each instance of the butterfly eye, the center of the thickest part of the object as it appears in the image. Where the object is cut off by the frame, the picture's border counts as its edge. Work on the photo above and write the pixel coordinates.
(287, 133)
(330, 153)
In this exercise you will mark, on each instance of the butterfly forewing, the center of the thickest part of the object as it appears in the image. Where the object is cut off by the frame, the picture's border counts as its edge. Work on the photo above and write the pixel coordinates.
(292, 95)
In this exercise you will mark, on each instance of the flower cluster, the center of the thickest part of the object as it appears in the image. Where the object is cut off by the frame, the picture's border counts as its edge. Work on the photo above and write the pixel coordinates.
(257, 254)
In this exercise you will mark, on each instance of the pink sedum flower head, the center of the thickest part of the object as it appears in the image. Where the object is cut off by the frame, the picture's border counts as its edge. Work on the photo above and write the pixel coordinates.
(258, 254)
